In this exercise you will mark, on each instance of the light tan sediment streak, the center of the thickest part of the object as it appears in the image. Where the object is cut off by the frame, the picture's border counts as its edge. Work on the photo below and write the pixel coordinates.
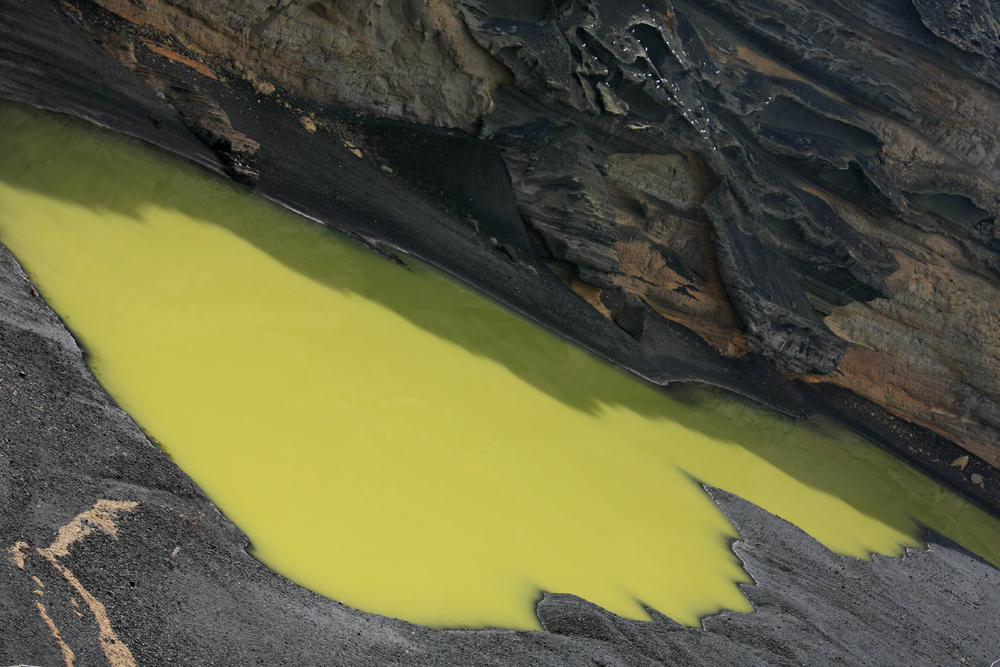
(67, 652)
(117, 653)
(100, 517)
(17, 554)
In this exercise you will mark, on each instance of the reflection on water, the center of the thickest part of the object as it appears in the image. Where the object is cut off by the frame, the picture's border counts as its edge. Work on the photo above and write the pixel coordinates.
(393, 440)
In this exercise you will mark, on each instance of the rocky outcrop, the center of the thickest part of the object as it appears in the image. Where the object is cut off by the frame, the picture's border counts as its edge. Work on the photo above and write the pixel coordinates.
(848, 158)
(633, 77)
(563, 197)
(196, 110)
(816, 183)
(407, 59)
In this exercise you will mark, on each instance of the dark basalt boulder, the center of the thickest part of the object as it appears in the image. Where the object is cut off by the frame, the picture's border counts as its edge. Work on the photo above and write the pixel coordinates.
(781, 324)
(562, 196)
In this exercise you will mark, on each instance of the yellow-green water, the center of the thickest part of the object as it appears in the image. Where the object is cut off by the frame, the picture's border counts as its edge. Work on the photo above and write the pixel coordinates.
(395, 441)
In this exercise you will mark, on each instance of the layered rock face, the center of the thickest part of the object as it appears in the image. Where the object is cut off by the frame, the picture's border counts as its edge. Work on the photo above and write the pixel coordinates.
(815, 182)
(410, 59)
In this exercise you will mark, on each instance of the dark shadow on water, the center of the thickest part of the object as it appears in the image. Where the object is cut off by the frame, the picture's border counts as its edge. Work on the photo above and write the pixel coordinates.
(92, 170)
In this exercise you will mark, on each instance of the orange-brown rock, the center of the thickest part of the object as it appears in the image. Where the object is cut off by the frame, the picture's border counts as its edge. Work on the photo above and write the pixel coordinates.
(415, 61)
(930, 352)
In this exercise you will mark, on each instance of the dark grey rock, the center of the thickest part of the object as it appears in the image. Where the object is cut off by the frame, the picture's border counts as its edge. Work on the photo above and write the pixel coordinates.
(562, 195)
(752, 130)
(971, 25)
(780, 322)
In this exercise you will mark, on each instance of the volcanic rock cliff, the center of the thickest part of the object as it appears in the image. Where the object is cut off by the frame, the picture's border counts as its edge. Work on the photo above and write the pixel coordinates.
(814, 182)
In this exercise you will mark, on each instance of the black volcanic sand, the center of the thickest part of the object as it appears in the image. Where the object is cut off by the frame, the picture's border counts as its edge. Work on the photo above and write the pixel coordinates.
(66, 445)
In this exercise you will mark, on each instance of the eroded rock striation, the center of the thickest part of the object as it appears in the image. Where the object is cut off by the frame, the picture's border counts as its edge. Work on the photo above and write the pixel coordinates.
(816, 183)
